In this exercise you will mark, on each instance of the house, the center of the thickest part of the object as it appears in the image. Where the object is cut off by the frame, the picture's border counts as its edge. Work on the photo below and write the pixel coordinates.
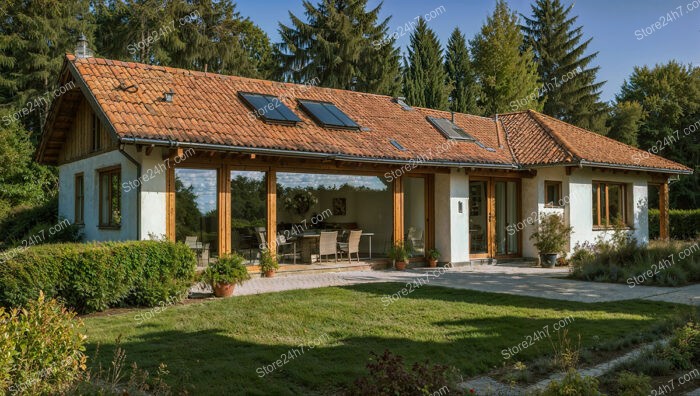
(230, 163)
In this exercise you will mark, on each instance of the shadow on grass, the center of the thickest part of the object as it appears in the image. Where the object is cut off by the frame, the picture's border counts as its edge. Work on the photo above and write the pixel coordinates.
(222, 359)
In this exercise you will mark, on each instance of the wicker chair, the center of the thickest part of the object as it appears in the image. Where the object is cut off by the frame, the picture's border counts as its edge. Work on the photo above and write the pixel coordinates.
(351, 246)
(328, 245)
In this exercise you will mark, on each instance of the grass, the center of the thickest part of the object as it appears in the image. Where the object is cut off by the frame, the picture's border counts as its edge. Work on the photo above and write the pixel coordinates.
(220, 344)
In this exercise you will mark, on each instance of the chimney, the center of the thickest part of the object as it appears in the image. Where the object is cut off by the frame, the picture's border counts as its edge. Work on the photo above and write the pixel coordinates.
(81, 49)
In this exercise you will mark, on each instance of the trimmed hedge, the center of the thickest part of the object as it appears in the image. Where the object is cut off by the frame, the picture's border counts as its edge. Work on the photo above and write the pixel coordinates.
(96, 276)
(684, 224)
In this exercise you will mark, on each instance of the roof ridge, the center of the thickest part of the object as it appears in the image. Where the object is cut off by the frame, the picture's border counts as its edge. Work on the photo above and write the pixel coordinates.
(558, 139)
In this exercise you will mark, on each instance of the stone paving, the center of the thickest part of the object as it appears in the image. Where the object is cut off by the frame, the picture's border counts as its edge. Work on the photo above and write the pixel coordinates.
(525, 281)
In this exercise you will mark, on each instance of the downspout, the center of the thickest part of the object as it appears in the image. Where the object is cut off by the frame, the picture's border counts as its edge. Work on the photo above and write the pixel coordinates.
(138, 190)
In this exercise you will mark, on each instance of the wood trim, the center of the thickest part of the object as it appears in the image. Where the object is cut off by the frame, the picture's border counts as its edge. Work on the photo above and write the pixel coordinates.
(558, 184)
(79, 208)
(398, 200)
(272, 210)
(599, 208)
(607, 206)
(108, 172)
(170, 203)
(664, 221)
(224, 209)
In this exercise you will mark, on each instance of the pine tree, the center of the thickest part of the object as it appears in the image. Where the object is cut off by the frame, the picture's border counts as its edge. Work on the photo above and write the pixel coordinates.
(424, 71)
(570, 91)
(507, 75)
(624, 122)
(34, 37)
(340, 45)
(460, 75)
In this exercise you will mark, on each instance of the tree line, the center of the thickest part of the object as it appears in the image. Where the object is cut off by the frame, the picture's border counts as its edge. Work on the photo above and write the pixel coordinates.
(514, 62)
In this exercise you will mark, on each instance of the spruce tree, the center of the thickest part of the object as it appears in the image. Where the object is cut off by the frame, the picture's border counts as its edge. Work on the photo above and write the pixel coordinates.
(506, 72)
(570, 91)
(424, 71)
(460, 75)
(624, 122)
(340, 45)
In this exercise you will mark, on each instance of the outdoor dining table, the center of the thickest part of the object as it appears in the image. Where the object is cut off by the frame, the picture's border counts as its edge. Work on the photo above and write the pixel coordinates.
(309, 245)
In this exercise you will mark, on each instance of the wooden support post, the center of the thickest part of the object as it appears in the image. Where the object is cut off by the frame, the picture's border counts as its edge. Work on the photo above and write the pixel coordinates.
(398, 210)
(272, 210)
(170, 203)
(664, 224)
(224, 206)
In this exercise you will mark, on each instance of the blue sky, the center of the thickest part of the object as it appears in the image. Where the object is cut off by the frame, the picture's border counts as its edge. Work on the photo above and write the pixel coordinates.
(616, 27)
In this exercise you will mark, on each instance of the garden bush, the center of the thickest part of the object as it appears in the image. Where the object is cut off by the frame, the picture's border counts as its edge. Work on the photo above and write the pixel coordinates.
(96, 276)
(620, 259)
(573, 384)
(31, 224)
(42, 348)
(683, 224)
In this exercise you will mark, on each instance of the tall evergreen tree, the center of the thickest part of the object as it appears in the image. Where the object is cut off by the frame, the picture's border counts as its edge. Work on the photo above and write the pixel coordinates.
(424, 71)
(570, 91)
(34, 36)
(341, 45)
(507, 73)
(460, 75)
(186, 34)
(670, 97)
(624, 122)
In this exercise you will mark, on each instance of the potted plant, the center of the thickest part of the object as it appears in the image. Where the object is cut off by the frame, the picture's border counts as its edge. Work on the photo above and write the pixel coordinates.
(224, 273)
(399, 254)
(433, 256)
(268, 264)
(551, 238)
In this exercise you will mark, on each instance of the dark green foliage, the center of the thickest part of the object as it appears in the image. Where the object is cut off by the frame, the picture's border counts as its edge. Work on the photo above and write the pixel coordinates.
(670, 97)
(624, 122)
(507, 74)
(227, 269)
(465, 90)
(570, 90)
(424, 73)
(342, 45)
(25, 225)
(573, 384)
(96, 276)
(388, 376)
(684, 224)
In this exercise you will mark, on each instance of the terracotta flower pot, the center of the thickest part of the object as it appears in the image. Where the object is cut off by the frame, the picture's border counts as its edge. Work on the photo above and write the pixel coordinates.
(269, 274)
(432, 263)
(400, 265)
(223, 289)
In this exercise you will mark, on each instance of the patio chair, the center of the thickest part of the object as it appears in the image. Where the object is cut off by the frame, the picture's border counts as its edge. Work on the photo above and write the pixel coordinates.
(415, 236)
(191, 242)
(328, 245)
(283, 248)
(351, 246)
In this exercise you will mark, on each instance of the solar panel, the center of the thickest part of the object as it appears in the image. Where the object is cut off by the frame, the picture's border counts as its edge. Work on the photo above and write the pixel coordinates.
(449, 129)
(269, 108)
(328, 115)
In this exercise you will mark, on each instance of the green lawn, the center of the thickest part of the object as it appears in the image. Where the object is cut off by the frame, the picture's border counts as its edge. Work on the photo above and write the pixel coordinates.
(221, 344)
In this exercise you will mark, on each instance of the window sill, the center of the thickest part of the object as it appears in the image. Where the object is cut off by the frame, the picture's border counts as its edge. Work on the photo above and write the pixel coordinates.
(627, 228)
(105, 227)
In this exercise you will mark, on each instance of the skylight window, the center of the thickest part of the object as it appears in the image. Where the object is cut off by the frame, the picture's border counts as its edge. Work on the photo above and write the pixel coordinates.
(327, 114)
(449, 129)
(397, 145)
(269, 108)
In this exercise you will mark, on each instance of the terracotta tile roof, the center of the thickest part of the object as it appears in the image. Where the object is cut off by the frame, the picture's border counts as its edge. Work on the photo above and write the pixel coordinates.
(206, 109)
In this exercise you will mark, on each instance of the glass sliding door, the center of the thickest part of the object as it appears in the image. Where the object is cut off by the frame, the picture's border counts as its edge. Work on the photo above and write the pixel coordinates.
(248, 213)
(506, 214)
(414, 218)
(196, 211)
(478, 218)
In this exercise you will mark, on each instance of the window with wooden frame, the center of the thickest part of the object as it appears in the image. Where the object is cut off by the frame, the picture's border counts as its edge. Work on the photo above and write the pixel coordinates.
(552, 194)
(96, 135)
(609, 204)
(110, 197)
(79, 199)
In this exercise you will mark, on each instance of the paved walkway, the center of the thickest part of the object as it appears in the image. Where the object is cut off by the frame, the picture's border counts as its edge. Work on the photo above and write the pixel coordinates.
(525, 281)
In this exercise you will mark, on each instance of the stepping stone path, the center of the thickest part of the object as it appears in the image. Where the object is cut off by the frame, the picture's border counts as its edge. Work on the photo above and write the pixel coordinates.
(488, 386)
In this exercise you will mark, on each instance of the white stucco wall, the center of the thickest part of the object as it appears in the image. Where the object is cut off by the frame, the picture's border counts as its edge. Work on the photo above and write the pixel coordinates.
(581, 217)
(452, 227)
(89, 167)
(533, 202)
(152, 182)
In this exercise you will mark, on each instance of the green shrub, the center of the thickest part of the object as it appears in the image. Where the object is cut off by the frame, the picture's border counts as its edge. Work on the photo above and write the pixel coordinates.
(93, 277)
(683, 224)
(630, 384)
(684, 348)
(30, 225)
(228, 269)
(42, 348)
(573, 384)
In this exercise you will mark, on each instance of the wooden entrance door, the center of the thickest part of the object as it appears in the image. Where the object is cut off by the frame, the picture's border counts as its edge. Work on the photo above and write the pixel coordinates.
(494, 210)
